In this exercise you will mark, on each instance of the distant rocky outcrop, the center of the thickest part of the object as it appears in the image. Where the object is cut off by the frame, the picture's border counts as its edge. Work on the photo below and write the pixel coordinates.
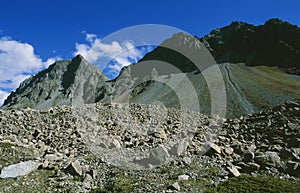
(181, 51)
(66, 82)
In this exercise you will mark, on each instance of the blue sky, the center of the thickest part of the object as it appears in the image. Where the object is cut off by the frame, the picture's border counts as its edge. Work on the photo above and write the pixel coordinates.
(33, 34)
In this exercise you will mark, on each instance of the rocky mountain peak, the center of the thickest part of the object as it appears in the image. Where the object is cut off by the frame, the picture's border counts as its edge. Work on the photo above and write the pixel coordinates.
(178, 51)
(276, 21)
(76, 81)
(239, 25)
(72, 68)
(65, 82)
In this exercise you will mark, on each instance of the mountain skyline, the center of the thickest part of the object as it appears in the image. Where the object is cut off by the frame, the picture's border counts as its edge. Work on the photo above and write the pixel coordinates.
(129, 52)
(248, 76)
(33, 34)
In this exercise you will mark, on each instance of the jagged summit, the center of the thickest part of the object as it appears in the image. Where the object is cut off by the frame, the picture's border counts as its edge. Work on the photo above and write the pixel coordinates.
(178, 51)
(65, 82)
(276, 21)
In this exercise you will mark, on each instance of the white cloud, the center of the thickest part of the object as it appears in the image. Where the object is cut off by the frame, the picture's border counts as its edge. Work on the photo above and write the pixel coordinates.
(17, 62)
(50, 61)
(120, 54)
(3, 96)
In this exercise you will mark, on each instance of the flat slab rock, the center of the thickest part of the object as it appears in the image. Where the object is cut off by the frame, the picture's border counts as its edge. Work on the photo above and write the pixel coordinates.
(19, 169)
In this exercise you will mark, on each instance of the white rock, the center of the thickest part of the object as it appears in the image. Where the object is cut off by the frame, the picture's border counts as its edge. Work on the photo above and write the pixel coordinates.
(20, 169)
(183, 177)
(216, 148)
(187, 160)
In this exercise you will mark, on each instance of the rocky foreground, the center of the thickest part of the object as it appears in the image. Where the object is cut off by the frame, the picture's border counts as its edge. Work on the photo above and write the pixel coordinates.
(141, 148)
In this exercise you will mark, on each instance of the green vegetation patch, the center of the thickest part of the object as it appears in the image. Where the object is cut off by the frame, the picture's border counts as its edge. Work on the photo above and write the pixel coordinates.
(12, 154)
(251, 184)
(37, 181)
(118, 184)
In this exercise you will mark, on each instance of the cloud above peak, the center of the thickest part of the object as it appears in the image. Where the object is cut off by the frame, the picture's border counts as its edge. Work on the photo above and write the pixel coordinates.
(110, 57)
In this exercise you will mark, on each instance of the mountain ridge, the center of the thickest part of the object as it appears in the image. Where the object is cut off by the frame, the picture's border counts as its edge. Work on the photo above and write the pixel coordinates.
(275, 43)
(79, 82)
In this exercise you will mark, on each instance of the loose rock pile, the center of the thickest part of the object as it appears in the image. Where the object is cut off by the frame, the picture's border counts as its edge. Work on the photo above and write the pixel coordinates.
(84, 147)
(268, 141)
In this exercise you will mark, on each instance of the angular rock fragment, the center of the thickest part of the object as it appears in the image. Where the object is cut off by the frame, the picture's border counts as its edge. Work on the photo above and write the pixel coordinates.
(174, 186)
(234, 171)
(74, 169)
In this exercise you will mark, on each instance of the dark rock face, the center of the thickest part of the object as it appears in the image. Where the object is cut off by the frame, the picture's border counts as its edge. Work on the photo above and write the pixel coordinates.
(65, 82)
(243, 52)
(276, 43)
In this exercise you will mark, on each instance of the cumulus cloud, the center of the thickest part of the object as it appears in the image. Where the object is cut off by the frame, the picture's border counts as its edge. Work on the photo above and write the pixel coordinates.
(119, 54)
(17, 62)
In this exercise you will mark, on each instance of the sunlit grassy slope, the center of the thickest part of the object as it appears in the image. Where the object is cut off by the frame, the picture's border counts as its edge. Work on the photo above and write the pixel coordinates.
(248, 89)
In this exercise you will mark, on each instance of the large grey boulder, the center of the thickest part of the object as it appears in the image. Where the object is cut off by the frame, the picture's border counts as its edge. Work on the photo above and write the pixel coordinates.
(159, 155)
(20, 169)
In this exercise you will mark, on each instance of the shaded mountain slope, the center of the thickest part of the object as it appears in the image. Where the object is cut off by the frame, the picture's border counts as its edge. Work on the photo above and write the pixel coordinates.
(276, 43)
